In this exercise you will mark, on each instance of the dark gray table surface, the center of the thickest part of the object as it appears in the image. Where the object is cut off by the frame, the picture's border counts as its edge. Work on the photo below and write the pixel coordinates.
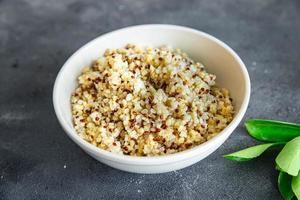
(38, 161)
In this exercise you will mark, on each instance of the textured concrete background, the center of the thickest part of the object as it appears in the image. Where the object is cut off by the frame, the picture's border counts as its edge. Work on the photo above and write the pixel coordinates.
(38, 161)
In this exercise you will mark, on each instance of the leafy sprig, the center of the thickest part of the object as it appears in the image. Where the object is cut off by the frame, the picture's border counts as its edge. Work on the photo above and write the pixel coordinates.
(276, 133)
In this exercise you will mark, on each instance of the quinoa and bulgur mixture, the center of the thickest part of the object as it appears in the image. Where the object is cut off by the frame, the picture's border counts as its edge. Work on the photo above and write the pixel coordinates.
(148, 101)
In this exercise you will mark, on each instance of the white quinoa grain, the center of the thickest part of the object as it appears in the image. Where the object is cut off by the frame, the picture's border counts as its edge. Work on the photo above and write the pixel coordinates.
(148, 102)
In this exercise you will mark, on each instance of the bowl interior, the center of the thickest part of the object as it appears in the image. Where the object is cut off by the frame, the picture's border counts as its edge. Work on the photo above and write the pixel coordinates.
(217, 57)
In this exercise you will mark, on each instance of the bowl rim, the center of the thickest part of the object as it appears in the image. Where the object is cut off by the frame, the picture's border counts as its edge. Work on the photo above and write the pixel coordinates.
(162, 159)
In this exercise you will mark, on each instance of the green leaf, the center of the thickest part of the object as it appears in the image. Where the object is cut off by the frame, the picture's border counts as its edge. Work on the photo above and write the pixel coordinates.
(272, 131)
(296, 185)
(288, 160)
(278, 168)
(284, 186)
(250, 153)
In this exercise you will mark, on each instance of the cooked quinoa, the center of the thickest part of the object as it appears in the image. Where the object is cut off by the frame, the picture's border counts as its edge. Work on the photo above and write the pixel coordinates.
(148, 101)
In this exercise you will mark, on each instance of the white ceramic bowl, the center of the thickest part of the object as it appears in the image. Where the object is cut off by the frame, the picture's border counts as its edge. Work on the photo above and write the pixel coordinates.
(214, 54)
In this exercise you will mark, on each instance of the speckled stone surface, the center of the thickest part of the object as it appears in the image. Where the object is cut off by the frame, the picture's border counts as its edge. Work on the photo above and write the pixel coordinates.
(38, 161)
